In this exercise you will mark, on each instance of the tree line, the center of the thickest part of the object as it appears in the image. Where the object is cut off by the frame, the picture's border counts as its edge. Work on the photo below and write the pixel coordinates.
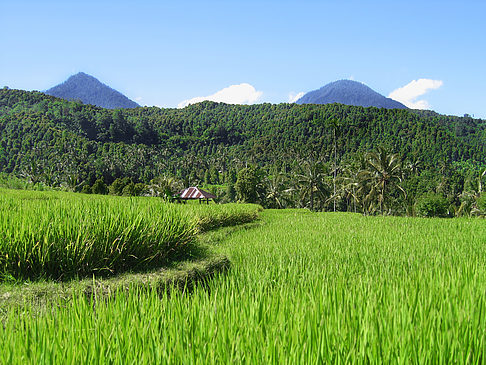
(324, 157)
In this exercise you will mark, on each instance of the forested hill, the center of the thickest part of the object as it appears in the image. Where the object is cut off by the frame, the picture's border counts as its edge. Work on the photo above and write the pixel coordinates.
(41, 132)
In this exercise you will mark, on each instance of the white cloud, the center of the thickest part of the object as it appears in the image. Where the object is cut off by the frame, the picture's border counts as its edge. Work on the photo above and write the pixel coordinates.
(409, 93)
(235, 94)
(293, 97)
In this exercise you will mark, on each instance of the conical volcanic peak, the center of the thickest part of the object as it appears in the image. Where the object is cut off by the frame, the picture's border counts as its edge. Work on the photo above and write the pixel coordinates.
(350, 93)
(91, 91)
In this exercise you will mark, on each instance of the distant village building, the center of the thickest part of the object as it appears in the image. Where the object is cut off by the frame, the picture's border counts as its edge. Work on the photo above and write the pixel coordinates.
(195, 193)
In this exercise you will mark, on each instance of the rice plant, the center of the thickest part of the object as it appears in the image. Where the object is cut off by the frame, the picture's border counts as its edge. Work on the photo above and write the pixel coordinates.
(304, 288)
(61, 235)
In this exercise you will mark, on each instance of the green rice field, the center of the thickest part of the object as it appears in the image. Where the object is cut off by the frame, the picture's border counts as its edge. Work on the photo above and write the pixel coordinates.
(61, 235)
(303, 288)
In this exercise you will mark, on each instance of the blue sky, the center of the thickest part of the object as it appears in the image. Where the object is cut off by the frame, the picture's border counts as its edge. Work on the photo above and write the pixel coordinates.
(167, 53)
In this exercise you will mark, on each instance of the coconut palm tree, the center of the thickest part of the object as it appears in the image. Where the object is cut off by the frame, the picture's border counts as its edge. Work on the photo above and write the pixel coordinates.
(334, 124)
(482, 176)
(469, 198)
(347, 187)
(414, 167)
(311, 183)
(277, 190)
(165, 187)
(383, 172)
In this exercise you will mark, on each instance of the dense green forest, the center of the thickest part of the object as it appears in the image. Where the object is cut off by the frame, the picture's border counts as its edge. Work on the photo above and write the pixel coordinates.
(324, 157)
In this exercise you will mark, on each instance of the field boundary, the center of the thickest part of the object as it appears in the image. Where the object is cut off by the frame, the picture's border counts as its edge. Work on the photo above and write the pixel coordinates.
(185, 276)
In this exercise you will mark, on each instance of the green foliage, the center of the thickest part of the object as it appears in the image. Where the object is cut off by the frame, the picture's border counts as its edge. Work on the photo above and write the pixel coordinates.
(10, 181)
(114, 142)
(312, 184)
(67, 145)
(165, 187)
(140, 189)
(99, 187)
(129, 190)
(230, 193)
(248, 185)
(383, 172)
(86, 189)
(481, 202)
(432, 205)
(119, 185)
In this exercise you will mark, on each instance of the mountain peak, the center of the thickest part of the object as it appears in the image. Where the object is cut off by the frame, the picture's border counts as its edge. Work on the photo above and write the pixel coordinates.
(82, 75)
(349, 92)
(90, 90)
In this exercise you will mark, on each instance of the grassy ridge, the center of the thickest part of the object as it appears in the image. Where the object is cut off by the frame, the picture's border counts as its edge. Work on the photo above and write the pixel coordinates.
(40, 295)
(207, 218)
(304, 288)
(61, 235)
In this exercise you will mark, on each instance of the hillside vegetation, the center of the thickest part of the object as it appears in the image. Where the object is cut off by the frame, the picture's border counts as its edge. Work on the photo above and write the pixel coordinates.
(68, 144)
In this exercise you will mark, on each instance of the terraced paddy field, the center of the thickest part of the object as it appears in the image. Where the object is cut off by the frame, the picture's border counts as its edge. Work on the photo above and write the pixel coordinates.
(61, 235)
(303, 288)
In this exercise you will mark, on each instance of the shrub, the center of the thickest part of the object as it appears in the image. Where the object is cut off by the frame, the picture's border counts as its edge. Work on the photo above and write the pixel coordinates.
(141, 189)
(230, 193)
(249, 185)
(86, 189)
(99, 187)
(129, 190)
(132, 189)
(432, 205)
(118, 185)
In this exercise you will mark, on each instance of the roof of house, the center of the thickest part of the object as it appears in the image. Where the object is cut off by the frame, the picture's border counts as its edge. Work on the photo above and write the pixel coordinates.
(195, 193)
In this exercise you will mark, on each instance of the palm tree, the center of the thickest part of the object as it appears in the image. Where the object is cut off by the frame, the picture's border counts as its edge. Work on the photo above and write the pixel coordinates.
(383, 172)
(469, 198)
(277, 191)
(482, 175)
(311, 183)
(347, 187)
(414, 167)
(334, 124)
(165, 186)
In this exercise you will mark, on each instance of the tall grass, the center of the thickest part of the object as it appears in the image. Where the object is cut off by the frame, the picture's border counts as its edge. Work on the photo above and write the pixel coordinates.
(60, 235)
(305, 288)
(208, 218)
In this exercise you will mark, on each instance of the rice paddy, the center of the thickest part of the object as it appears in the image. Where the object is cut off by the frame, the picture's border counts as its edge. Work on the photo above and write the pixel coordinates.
(305, 288)
(60, 235)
